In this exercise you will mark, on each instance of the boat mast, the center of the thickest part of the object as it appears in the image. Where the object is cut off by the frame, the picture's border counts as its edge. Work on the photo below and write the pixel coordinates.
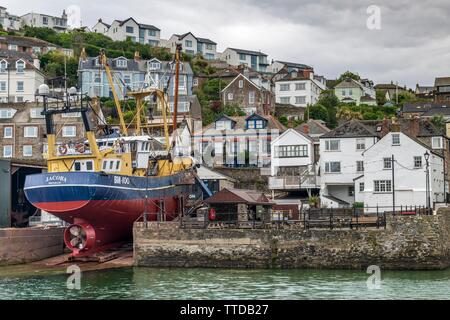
(104, 62)
(177, 80)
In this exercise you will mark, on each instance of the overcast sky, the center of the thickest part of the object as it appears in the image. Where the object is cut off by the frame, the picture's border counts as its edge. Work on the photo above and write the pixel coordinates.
(412, 46)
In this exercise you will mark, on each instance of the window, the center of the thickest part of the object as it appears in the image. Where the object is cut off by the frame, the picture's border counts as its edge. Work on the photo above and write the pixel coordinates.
(230, 96)
(77, 166)
(188, 43)
(7, 152)
(155, 65)
(436, 143)
(89, 166)
(127, 79)
(195, 82)
(251, 97)
(30, 132)
(69, 131)
(209, 56)
(361, 186)
(7, 113)
(299, 151)
(3, 86)
(36, 50)
(300, 100)
(285, 87)
(97, 78)
(222, 125)
(121, 63)
(359, 166)
(153, 43)
(3, 66)
(387, 163)
(12, 47)
(19, 99)
(19, 86)
(27, 151)
(332, 167)
(332, 145)
(360, 144)
(129, 29)
(7, 132)
(350, 92)
(152, 33)
(395, 139)
(417, 162)
(242, 56)
(285, 100)
(351, 191)
(382, 186)
(241, 84)
(343, 92)
(300, 86)
(20, 65)
(45, 20)
(35, 113)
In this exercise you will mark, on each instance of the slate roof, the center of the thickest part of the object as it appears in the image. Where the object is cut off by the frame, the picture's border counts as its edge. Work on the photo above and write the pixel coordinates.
(315, 127)
(349, 83)
(202, 40)
(351, 129)
(26, 41)
(439, 82)
(422, 107)
(141, 25)
(17, 55)
(294, 65)
(255, 53)
(240, 122)
(229, 195)
(367, 98)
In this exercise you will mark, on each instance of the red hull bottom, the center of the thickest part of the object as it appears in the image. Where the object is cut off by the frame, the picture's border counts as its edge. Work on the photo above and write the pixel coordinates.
(111, 220)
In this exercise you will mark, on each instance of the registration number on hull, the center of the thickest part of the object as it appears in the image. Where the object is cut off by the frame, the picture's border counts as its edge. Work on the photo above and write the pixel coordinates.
(121, 180)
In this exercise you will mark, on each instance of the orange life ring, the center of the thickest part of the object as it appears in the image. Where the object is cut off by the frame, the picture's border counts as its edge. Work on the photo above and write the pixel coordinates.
(62, 149)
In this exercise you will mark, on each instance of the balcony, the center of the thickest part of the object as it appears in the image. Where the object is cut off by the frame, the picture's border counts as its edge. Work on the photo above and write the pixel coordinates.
(305, 181)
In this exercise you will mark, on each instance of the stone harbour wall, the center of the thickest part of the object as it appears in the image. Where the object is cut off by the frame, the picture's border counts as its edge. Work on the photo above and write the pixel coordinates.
(408, 243)
(30, 244)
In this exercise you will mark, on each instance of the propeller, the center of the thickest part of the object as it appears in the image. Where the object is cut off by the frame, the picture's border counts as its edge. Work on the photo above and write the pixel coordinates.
(78, 237)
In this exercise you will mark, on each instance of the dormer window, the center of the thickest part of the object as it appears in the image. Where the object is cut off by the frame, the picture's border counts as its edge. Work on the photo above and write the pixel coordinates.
(121, 63)
(173, 66)
(255, 124)
(436, 143)
(3, 66)
(20, 66)
(154, 65)
(223, 125)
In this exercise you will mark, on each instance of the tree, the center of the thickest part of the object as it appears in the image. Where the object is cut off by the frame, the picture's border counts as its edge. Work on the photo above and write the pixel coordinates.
(381, 97)
(53, 65)
(438, 121)
(349, 74)
(318, 112)
(346, 114)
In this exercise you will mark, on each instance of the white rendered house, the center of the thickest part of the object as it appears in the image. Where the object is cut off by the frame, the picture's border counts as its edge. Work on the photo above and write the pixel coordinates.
(193, 45)
(293, 163)
(298, 88)
(254, 59)
(376, 186)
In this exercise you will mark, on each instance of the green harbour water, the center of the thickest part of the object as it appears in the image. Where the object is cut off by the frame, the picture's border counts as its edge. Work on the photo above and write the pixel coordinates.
(196, 284)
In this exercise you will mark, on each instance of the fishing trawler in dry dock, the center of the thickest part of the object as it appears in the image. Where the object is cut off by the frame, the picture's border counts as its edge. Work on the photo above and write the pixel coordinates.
(103, 186)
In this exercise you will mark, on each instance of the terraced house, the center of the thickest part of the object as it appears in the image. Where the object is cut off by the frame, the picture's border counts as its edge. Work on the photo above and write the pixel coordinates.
(19, 79)
(193, 45)
(121, 30)
(256, 60)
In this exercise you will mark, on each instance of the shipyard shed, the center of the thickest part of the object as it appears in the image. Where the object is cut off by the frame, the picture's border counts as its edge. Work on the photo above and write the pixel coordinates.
(15, 209)
(214, 180)
(240, 205)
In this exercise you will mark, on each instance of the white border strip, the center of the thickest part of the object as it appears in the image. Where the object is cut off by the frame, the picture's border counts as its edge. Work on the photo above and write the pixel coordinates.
(97, 186)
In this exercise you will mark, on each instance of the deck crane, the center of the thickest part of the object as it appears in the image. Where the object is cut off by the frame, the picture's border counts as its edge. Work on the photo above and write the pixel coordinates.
(104, 62)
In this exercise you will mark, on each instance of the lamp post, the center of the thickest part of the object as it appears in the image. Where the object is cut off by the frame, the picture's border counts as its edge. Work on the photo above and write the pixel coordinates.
(427, 185)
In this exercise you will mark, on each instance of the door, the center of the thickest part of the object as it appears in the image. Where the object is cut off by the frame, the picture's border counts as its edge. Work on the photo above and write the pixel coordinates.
(5, 194)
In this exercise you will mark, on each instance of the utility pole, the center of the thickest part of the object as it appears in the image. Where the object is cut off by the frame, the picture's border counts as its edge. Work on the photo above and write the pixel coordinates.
(427, 183)
(393, 184)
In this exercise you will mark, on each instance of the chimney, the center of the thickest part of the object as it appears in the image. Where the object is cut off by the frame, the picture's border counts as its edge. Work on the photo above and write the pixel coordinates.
(384, 127)
(306, 129)
(290, 123)
(83, 55)
(414, 126)
(37, 63)
(137, 56)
